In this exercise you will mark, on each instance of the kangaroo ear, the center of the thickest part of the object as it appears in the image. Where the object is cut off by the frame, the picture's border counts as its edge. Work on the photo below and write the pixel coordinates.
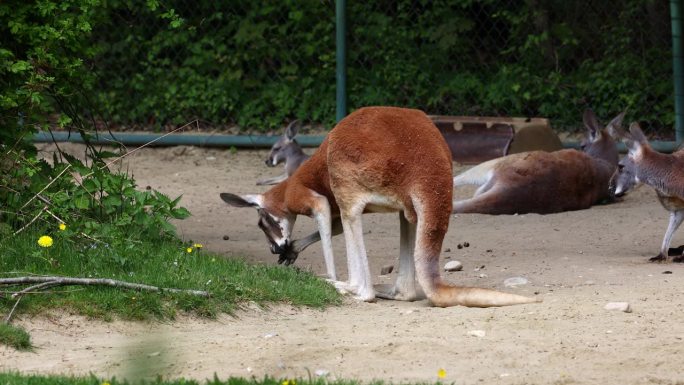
(250, 200)
(292, 128)
(615, 126)
(637, 134)
(591, 123)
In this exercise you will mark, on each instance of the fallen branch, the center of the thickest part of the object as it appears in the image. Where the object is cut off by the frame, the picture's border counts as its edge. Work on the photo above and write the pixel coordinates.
(45, 282)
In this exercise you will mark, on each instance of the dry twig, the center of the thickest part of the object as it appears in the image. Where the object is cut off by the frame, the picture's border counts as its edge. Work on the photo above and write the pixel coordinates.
(66, 281)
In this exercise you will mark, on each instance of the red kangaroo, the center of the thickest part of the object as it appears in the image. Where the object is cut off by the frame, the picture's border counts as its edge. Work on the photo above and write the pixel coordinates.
(545, 182)
(377, 159)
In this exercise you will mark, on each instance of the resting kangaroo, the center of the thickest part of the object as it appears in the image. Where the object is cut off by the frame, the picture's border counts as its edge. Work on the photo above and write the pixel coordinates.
(663, 172)
(545, 182)
(377, 159)
(287, 150)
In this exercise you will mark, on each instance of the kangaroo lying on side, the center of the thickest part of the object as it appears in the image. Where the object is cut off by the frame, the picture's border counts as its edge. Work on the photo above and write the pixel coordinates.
(545, 182)
(377, 159)
(663, 172)
(286, 150)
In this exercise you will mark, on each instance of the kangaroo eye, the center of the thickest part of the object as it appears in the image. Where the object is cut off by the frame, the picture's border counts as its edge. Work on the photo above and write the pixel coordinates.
(621, 166)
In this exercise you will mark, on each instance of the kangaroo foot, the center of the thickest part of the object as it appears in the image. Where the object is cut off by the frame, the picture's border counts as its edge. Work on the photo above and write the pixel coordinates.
(343, 287)
(386, 291)
(658, 258)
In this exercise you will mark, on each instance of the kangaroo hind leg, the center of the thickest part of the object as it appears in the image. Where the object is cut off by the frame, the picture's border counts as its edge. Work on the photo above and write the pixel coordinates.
(405, 287)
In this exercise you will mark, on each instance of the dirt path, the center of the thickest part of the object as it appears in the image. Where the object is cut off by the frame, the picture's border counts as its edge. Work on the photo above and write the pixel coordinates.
(577, 262)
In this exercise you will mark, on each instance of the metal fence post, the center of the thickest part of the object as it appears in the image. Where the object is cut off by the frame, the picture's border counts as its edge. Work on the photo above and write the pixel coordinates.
(341, 56)
(678, 67)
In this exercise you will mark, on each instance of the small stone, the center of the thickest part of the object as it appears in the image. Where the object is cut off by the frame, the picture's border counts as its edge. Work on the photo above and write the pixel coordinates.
(447, 250)
(387, 269)
(270, 335)
(483, 275)
(477, 333)
(225, 237)
(321, 372)
(515, 281)
(211, 158)
(154, 354)
(619, 306)
(453, 266)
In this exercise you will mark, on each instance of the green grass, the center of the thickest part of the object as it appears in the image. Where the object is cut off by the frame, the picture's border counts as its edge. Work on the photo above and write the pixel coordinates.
(18, 379)
(231, 281)
(15, 337)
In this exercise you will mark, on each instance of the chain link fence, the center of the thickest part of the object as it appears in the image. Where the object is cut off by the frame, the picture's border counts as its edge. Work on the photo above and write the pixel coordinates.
(256, 65)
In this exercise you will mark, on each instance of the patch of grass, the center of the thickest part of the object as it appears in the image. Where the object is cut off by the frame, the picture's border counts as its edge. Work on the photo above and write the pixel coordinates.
(231, 281)
(19, 379)
(15, 336)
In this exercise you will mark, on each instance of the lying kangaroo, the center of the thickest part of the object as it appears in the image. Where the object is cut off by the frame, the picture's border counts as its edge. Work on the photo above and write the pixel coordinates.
(377, 159)
(545, 182)
(663, 172)
(287, 150)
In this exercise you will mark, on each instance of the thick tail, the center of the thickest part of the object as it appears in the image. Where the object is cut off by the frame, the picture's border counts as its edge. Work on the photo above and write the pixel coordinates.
(445, 295)
(477, 175)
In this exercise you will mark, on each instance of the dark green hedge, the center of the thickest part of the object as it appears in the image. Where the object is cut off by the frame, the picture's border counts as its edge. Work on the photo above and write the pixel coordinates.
(260, 63)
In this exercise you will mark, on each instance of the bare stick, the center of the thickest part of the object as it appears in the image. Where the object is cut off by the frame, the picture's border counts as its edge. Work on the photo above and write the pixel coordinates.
(32, 288)
(31, 221)
(46, 186)
(9, 316)
(64, 281)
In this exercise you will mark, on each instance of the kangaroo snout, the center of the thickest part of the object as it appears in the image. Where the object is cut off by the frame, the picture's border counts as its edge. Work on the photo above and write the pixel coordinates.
(278, 249)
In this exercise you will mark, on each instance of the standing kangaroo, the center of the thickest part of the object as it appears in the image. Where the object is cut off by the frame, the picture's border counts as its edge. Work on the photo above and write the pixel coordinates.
(287, 150)
(377, 159)
(545, 182)
(663, 172)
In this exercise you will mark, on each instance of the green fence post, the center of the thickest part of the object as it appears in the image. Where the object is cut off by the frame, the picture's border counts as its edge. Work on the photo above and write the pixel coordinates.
(677, 67)
(341, 55)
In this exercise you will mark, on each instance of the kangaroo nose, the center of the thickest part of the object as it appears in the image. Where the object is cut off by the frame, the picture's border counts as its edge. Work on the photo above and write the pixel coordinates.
(277, 249)
(268, 161)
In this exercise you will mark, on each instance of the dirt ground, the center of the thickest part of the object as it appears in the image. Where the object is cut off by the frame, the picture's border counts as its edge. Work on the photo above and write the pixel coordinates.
(576, 261)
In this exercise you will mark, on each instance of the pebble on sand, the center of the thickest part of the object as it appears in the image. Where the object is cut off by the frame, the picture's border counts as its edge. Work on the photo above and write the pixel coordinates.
(515, 281)
(619, 306)
(453, 266)
(477, 333)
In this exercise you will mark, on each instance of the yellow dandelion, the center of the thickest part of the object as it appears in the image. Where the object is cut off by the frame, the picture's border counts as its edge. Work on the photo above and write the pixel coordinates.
(62, 226)
(441, 373)
(105, 383)
(199, 246)
(133, 298)
(189, 249)
(45, 241)
(286, 382)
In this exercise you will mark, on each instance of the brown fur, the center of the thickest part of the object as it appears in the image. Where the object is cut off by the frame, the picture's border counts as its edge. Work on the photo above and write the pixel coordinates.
(410, 171)
(578, 179)
(548, 182)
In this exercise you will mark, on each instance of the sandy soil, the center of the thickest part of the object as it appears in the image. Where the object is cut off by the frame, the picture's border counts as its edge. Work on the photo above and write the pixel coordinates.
(577, 262)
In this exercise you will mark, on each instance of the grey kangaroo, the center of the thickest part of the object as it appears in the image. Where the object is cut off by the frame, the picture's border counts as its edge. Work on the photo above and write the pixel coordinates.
(663, 172)
(286, 150)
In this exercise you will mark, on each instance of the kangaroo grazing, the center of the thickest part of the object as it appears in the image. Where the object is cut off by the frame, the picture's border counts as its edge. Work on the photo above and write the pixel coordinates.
(663, 172)
(545, 182)
(377, 159)
(286, 150)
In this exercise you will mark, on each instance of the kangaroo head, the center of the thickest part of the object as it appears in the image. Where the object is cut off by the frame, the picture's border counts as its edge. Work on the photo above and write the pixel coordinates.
(635, 141)
(598, 143)
(278, 229)
(625, 176)
(285, 146)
